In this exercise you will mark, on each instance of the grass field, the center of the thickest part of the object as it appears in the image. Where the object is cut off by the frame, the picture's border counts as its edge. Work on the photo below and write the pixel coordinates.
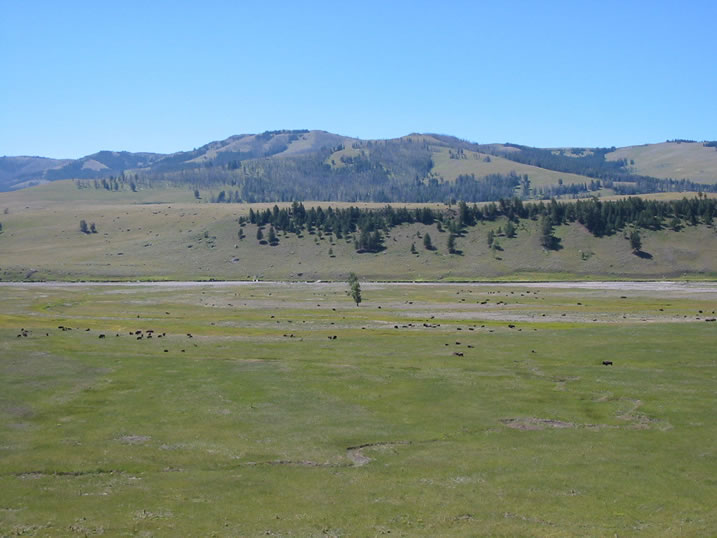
(671, 160)
(263, 423)
(474, 163)
(162, 234)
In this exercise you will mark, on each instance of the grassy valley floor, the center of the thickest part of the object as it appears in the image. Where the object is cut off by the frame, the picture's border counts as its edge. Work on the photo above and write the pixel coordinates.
(284, 409)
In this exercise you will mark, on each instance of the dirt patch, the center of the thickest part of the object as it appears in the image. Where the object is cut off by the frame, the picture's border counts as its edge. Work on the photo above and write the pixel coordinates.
(293, 463)
(43, 474)
(357, 457)
(134, 439)
(533, 423)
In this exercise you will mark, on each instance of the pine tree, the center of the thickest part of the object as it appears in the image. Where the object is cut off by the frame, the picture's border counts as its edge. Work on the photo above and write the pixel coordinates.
(356, 292)
(635, 241)
(427, 242)
(546, 232)
(451, 244)
(509, 229)
(83, 227)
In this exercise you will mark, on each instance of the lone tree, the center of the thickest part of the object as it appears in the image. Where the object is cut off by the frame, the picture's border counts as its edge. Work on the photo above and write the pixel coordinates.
(427, 242)
(547, 239)
(635, 241)
(509, 229)
(273, 240)
(451, 243)
(83, 227)
(354, 288)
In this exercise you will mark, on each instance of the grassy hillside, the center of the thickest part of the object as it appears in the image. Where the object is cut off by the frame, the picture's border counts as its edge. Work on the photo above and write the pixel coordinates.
(674, 160)
(166, 234)
(483, 164)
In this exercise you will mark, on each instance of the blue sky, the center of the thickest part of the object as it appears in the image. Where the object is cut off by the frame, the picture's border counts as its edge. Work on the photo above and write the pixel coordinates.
(79, 77)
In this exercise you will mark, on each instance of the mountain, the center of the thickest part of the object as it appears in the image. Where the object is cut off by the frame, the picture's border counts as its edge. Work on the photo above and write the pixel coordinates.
(302, 164)
(19, 172)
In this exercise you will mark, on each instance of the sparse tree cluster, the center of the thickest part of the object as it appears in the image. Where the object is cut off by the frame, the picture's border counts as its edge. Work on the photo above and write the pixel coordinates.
(87, 229)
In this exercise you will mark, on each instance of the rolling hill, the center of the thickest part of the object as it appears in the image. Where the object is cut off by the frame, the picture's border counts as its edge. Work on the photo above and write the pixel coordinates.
(317, 165)
(166, 233)
(677, 160)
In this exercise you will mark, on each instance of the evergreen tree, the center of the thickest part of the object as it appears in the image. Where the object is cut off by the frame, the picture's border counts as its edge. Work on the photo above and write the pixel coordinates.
(356, 292)
(451, 243)
(509, 229)
(83, 227)
(547, 239)
(635, 241)
(427, 244)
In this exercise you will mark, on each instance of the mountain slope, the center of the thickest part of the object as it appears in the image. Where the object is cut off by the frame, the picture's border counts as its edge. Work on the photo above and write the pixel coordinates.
(301, 164)
(14, 171)
(677, 160)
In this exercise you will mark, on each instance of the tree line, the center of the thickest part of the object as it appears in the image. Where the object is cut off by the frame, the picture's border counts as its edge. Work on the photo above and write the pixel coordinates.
(367, 227)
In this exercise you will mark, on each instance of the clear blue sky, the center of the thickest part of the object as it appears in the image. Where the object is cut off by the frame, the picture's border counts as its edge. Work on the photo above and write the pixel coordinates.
(78, 77)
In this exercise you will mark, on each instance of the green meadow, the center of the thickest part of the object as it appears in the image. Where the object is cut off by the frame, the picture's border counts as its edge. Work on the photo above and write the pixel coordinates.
(428, 410)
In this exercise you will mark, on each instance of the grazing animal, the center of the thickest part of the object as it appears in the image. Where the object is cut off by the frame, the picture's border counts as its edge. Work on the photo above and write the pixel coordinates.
(607, 363)
(101, 336)
(458, 353)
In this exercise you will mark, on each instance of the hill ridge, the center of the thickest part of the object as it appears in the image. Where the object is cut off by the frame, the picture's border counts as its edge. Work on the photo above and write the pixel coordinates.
(373, 169)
